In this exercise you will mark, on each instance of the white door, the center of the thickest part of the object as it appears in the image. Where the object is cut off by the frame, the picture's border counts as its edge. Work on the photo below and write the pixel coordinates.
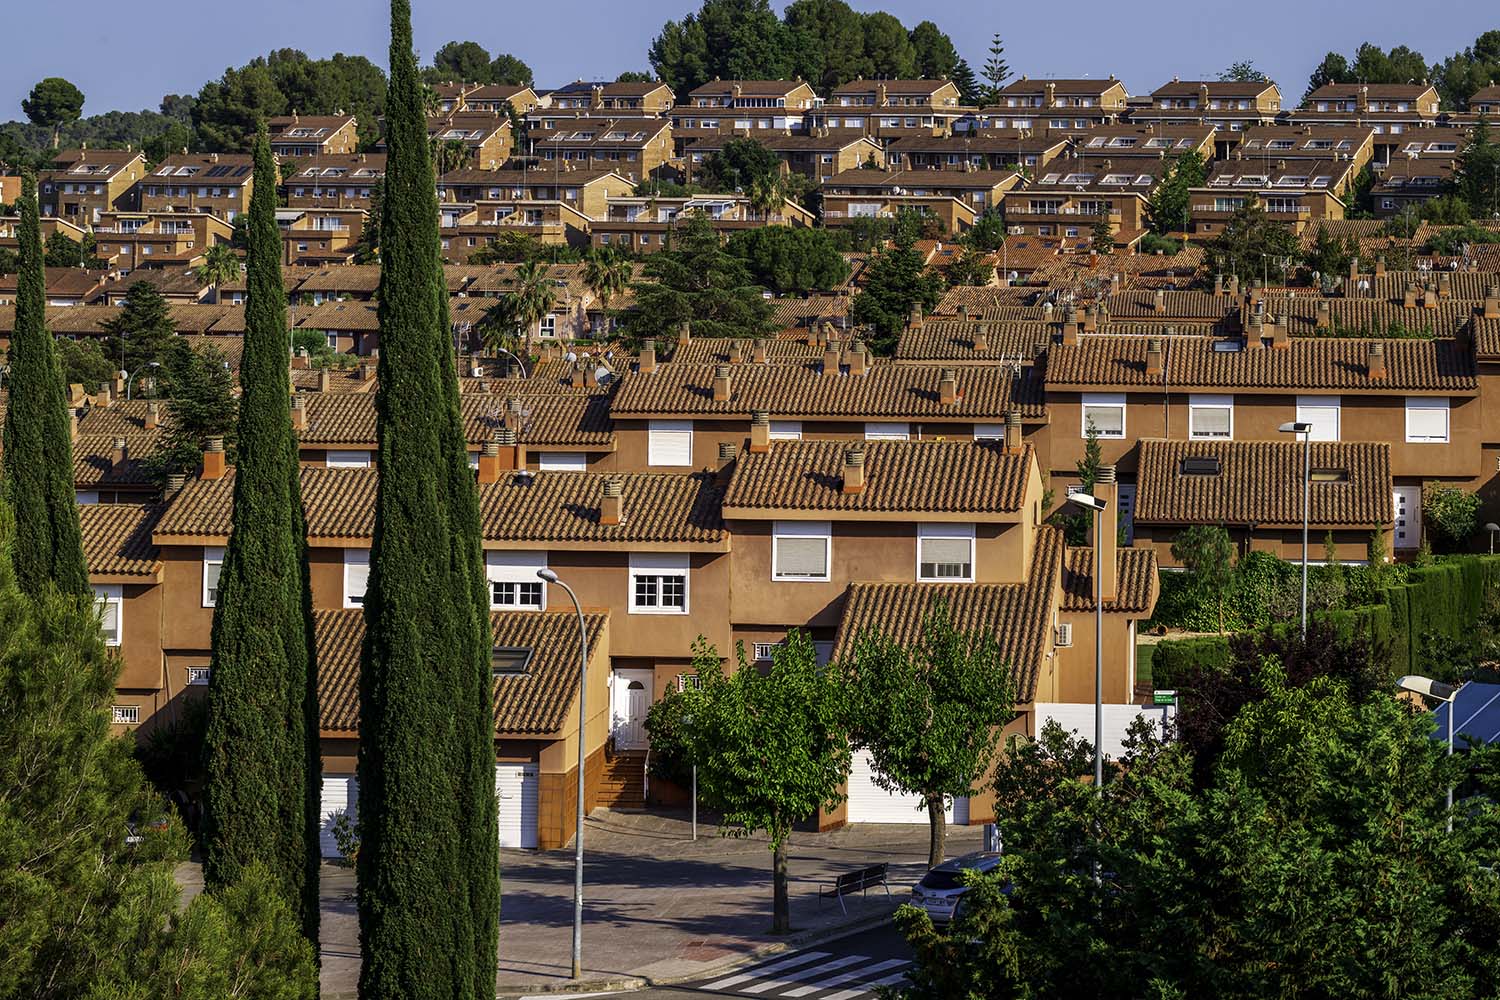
(869, 803)
(340, 794)
(1408, 504)
(516, 790)
(632, 700)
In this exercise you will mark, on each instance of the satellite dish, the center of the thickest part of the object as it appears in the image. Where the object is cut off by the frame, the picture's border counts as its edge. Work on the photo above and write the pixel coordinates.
(603, 374)
(570, 357)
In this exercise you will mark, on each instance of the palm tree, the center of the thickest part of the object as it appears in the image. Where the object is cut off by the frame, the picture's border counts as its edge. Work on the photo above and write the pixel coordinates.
(606, 273)
(220, 264)
(498, 326)
(767, 193)
(448, 154)
(534, 295)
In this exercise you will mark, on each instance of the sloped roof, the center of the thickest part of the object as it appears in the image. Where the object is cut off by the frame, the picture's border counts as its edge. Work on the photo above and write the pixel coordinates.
(117, 539)
(1135, 576)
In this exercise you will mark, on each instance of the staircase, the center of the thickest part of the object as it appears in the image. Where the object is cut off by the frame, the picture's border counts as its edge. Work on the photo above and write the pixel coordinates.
(622, 785)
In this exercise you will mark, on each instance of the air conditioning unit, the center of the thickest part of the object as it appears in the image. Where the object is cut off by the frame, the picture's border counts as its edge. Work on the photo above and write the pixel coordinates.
(1065, 634)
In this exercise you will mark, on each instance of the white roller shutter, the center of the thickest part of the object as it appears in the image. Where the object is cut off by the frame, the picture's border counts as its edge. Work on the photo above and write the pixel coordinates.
(670, 442)
(340, 794)
(869, 803)
(516, 788)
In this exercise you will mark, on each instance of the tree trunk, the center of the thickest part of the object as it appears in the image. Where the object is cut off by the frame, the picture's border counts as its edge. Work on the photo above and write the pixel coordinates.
(937, 829)
(781, 914)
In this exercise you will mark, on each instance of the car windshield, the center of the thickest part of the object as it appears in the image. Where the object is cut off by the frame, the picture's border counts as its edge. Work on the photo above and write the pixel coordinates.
(941, 880)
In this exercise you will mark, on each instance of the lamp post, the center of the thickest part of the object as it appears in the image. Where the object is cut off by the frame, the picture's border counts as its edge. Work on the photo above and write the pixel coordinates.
(1493, 529)
(583, 690)
(1097, 506)
(130, 379)
(1438, 691)
(1305, 429)
(519, 363)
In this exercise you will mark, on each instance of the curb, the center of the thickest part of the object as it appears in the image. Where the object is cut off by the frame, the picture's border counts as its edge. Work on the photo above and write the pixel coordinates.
(569, 987)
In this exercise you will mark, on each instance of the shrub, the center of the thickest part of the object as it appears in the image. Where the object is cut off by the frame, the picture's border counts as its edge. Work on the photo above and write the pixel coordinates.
(1153, 243)
(346, 835)
(1451, 512)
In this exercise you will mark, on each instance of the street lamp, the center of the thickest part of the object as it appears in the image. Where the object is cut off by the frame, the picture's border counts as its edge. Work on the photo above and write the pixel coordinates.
(583, 690)
(1305, 429)
(1493, 529)
(519, 363)
(1445, 693)
(130, 379)
(1097, 506)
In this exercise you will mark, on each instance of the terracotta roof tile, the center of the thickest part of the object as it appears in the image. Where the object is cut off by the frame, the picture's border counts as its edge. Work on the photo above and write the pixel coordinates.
(1175, 305)
(1135, 575)
(92, 459)
(340, 316)
(953, 340)
(348, 418)
(1261, 482)
(712, 351)
(1465, 286)
(117, 539)
(1370, 317)
(353, 278)
(1487, 337)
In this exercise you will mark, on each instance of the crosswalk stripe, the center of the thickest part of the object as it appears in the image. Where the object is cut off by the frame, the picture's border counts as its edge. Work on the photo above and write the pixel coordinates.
(865, 988)
(847, 977)
(803, 975)
(745, 977)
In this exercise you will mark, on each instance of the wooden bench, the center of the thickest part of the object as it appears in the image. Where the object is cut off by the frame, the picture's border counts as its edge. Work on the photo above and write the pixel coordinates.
(859, 880)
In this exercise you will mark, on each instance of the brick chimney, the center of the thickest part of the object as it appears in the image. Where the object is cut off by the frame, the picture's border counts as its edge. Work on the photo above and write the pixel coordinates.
(1091, 319)
(1234, 286)
(153, 416)
(325, 380)
(489, 462)
(612, 503)
(1323, 318)
(948, 387)
(213, 458)
(1159, 301)
(119, 456)
(1375, 360)
(647, 363)
(1353, 272)
(1153, 356)
(105, 397)
(915, 320)
(760, 432)
(1430, 296)
(830, 360)
(854, 469)
(1492, 302)
(1013, 432)
(299, 413)
(1254, 329)
(1070, 330)
(736, 353)
(1218, 286)
(758, 351)
(175, 482)
(1409, 299)
(117, 384)
(982, 338)
(721, 384)
(1380, 266)
(1279, 333)
(1445, 285)
(859, 358)
(1106, 489)
(366, 370)
(75, 394)
(684, 333)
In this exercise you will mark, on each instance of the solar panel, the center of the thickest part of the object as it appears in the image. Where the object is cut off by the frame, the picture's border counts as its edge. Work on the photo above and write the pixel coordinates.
(217, 171)
(1478, 715)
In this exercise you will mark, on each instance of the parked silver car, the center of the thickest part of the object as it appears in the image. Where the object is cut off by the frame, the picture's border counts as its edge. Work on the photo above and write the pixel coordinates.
(940, 890)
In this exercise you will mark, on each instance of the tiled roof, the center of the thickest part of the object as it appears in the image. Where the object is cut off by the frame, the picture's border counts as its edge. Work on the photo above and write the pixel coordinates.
(1414, 366)
(92, 453)
(346, 418)
(123, 416)
(1260, 482)
(341, 316)
(953, 340)
(117, 539)
(363, 278)
(715, 350)
(1018, 615)
(790, 312)
(1175, 305)
(340, 380)
(901, 477)
(1135, 576)
(1465, 286)
(885, 390)
(1487, 337)
(534, 702)
(1371, 317)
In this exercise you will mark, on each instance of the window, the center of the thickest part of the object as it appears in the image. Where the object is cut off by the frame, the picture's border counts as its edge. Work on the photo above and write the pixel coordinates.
(1210, 417)
(110, 603)
(887, 432)
(670, 442)
(513, 580)
(1200, 465)
(801, 550)
(765, 651)
(687, 682)
(563, 461)
(1106, 412)
(348, 459)
(658, 583)
(125, 715)
(945, 553)
(989, 432)
(509, 660)
(198, 676)
(1426, 420)
(213, 565)
(356, 577)
(1323, 413)
(786, 430)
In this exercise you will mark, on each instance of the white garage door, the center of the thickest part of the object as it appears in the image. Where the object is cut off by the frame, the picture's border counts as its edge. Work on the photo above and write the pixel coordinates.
(516, 788)
(340, 794)
(869, 803)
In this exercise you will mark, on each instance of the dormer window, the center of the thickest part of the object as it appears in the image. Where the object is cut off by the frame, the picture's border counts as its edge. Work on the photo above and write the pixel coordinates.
(1329, 475)
(510, 661)
(1200, 466)
(1116, 179)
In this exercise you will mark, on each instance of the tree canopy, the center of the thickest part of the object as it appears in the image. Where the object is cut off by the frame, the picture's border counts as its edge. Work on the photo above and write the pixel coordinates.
(1252, 245)
(696, 280)
(52, 103)
(791, 261)
(898, 280)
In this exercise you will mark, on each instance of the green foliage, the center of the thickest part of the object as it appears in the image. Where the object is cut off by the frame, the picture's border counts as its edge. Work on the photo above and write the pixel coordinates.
(970, 267)
(967, 83)
(38, 441)
(10, 261)
(1152, 243)
(988, 231)
(1207, 557)
(1462, 74)
(60, 250)
(142, 331)
(520, 248)
(460, 62)
(1476, 172)
(741, 166)
(606, 272)
(1451, 242)
(936, 58)
(427, 817)
(1330, 257)
(345, 833)
(226, 111)
(1451, 512)
(996, 71)
(697, 280)
(1358, 203)
(898, 280)
(930, 716)
(772, 747)
(1252, 246)
(52, 103)
(1370, 64)
(221, 264)
(1244, 71)
(83, 362)
(728, 39)
(200, 395)
(1169, 205)
(314, 343)
(791, 260)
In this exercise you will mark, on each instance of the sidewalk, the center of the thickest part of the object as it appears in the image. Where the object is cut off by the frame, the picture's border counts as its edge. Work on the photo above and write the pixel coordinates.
(657, 906)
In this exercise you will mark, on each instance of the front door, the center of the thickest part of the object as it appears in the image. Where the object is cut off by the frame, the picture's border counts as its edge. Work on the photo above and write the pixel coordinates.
(632, 700)
(1408, 505)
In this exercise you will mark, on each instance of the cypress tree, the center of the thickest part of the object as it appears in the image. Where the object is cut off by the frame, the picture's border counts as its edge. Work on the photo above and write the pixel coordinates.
(261, 744)
(428, 867)
(38, 436)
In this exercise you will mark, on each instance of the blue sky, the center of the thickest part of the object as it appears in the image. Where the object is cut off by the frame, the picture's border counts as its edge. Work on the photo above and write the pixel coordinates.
(127, 57)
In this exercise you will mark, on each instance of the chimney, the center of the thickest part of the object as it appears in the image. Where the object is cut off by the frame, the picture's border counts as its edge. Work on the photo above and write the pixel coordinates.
(1380, 266)
(915, 320)
(75, 395)
(579, 378)
(1375, 360)
(489, 462)
(728, 451)
(758, 351)
(1153, 356)
(982, 338)
(859, 358)
(1492, 302)
(1409, 300)
(1234, 286)
(1445, 286)
(1430, 298)
(299, 361)
(153, 415)
(612, 503)
(175, 483)
(325, 380)
(117, 384)
(1323, 319)
(512, 453)
(1013, 432)
(854, 469)
(948, 387)
(721, 384)
(105, 396)
(213, 458)
(647, 363)
(684, 333)
(119, 454)
(1159, 301)
(760, 432)
(736, 353)
(830, 360)
(1279, 333)
(1106, 489)
(299, 413)
(1091, 319)
(1070, 330)
(963, 313)
(366, 370)
(1218, 286)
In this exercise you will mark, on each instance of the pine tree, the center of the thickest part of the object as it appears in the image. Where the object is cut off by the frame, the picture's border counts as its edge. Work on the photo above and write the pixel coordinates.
(261, 745)
(38, 440)
(143, 330)
(428, 867)
(996, 70)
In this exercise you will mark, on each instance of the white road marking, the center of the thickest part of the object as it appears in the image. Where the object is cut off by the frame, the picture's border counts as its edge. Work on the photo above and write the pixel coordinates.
(848, 977)
(803, 975)
(745, 977)
(865, 988)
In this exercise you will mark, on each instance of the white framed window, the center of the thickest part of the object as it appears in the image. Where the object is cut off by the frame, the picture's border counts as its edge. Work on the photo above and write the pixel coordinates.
(786, 430)
(1323, 413)
(198, 676)
(356, 577)
(1426, 420)
(670, 442)
(1106, 411)
(513, 581)
(1210, 417)
(945, 553)
(801, 550)
(125, 715)
(658, 583)
(765, 651)
(887, 431)
(989, 432)
(348, 459)
(111, 604)
(563, 461)
(213, 565)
